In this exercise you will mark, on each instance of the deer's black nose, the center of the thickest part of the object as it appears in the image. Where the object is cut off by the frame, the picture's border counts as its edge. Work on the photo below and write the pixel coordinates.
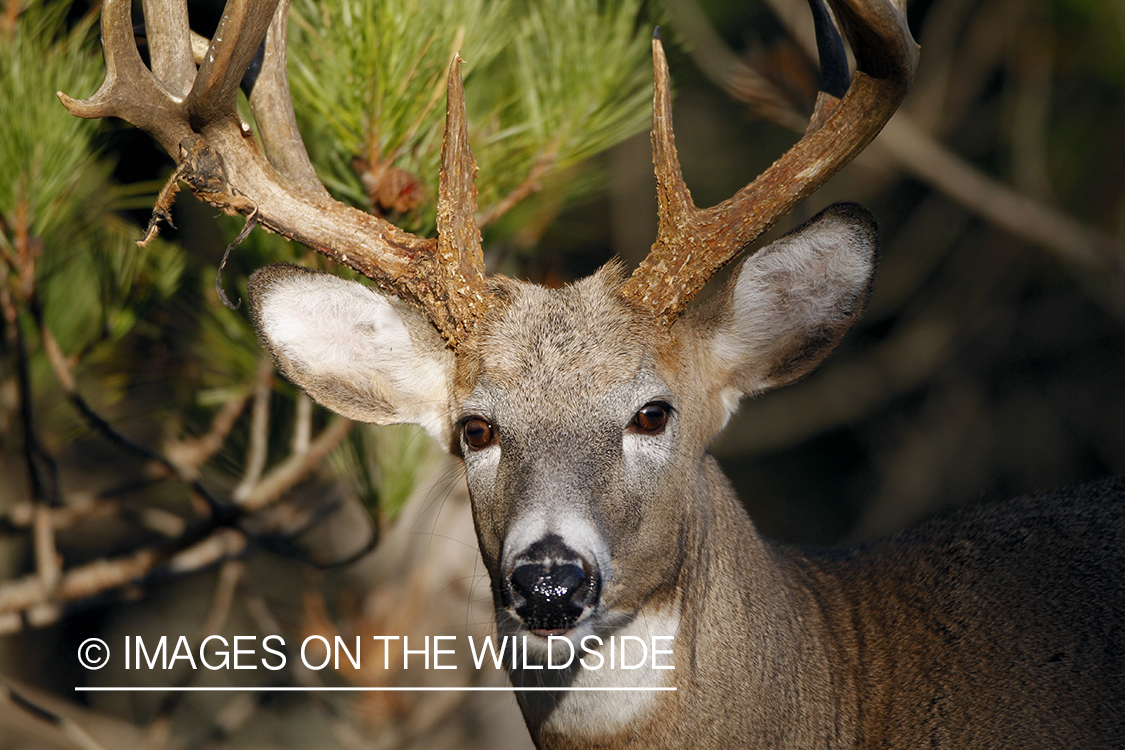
(551, 586)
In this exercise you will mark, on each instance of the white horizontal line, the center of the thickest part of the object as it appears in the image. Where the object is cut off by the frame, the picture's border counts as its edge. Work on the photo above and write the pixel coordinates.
(364, 689)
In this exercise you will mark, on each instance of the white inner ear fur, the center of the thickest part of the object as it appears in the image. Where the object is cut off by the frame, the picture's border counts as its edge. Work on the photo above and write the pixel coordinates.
(788, 305)
(356, 351)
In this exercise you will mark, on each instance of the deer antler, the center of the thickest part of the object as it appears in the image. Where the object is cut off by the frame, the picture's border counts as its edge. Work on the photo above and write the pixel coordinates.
(693, 243)
(194, 117)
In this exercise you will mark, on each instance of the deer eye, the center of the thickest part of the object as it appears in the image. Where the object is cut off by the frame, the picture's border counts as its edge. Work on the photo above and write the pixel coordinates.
(479, 432)
(651, 419)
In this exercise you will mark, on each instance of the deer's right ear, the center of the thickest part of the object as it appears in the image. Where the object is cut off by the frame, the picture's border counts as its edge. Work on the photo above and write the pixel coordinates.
(353, 350)
(786, 307)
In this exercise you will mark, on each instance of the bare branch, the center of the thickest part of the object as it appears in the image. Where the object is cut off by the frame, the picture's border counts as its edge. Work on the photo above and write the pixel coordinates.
(259, 431)
(20, 517)
(48, 562)
(296, 467)
(21, 594)
(191, 453)
(346, 733)
(80, 507)
(521, 192)
(65, 376)
(41, 469)
(41, 598)
(41, 606)
(65, 725)
(1022, 215)
(302, 424)
(230, 574)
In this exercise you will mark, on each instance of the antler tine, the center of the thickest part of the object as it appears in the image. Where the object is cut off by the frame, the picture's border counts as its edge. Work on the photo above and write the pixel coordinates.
(130, 90)
(677, 216)
(169, 45)
(459, 250)
(201, 130)
(273, 109)
(214, 95)
(693, 243)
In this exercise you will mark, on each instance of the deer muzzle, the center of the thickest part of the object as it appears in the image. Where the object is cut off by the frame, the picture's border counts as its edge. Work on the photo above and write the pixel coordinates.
(550, 586)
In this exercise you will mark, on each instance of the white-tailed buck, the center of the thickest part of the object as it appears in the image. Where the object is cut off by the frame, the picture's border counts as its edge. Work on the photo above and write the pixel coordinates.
(583, 416)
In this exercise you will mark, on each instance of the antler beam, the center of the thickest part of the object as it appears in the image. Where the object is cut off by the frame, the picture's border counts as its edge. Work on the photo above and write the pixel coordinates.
(194, 117)
(693, 243)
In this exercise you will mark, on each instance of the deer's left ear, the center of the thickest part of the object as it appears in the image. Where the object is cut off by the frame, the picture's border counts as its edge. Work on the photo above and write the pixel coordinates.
(360, 353)
(787, 306)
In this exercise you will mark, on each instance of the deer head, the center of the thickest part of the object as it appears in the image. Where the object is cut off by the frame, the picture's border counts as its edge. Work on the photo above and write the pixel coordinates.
(582, 414)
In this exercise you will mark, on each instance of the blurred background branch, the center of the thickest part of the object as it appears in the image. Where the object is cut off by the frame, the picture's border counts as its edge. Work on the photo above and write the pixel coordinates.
(909, 143)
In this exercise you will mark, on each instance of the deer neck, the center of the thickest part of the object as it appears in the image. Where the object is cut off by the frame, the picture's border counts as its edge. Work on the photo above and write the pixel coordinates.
(751, 654)
(756, 645)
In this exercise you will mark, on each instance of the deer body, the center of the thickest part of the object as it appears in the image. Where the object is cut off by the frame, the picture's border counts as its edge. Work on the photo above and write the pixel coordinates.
(583, 416)
(971, 631)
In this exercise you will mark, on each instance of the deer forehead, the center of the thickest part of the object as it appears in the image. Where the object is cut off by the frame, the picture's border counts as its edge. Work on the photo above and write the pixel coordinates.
(574, 348)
